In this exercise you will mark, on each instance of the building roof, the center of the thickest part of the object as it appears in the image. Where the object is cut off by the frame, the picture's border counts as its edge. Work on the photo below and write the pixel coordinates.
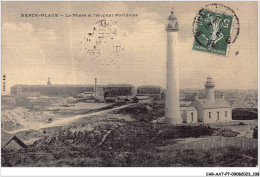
(56, 85)
(124, 97)
(149, 86)
(7, 138)
(142, 97)
(190, 108)
(111, 98)
(172, 16)
(185, 103)
(64, 85)
(218, 103)
(116, 85)
(88, 92)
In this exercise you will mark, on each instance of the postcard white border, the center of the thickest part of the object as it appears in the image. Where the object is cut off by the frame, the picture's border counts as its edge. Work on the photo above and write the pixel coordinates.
(129, 171)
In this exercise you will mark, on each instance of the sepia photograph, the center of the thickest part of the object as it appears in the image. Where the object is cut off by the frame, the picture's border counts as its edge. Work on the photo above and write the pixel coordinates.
(129, 84)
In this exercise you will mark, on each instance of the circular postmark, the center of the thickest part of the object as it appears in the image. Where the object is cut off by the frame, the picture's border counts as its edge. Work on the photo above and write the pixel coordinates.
(214, 27)
(103, 44)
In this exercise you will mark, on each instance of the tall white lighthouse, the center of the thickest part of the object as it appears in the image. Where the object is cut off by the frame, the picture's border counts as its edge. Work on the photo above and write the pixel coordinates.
(173, 115)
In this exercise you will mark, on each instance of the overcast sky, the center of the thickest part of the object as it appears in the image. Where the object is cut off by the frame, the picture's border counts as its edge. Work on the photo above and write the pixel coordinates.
(34, 49)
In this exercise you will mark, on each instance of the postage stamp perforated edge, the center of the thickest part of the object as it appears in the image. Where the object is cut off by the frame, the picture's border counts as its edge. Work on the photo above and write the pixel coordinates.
(195, 24)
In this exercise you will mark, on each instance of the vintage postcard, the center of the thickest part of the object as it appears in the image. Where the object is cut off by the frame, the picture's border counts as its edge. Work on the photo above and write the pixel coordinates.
(129, 84)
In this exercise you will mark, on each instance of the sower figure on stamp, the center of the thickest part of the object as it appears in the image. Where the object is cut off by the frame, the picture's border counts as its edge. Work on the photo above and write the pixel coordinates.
(216, 35)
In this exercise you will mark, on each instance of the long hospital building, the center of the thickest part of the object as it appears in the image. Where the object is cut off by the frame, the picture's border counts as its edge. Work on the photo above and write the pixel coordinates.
(71, 90)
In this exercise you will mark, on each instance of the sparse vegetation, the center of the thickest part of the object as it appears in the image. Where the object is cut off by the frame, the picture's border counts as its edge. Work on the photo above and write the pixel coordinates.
(133, 144)
(148, 156)
(255, 133)
(241, 123)
(244, 114)
(145, 112)
(116, 140)
(226, 132)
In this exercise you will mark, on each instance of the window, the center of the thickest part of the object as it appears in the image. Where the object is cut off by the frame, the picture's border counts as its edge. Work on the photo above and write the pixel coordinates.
(218, 115)
(225, 113)
(210, 115)
(192, 116)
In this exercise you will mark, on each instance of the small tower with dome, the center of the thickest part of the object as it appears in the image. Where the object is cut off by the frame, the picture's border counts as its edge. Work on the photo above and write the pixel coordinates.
(209, 86)
(49, 81)
(211, 109)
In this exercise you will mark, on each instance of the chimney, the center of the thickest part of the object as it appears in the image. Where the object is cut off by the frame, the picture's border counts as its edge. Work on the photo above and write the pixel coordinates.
(95, 89)
(196, 97)
(222, 96)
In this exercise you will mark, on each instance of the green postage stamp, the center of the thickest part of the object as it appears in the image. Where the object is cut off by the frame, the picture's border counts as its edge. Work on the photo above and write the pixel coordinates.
(212, 32)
